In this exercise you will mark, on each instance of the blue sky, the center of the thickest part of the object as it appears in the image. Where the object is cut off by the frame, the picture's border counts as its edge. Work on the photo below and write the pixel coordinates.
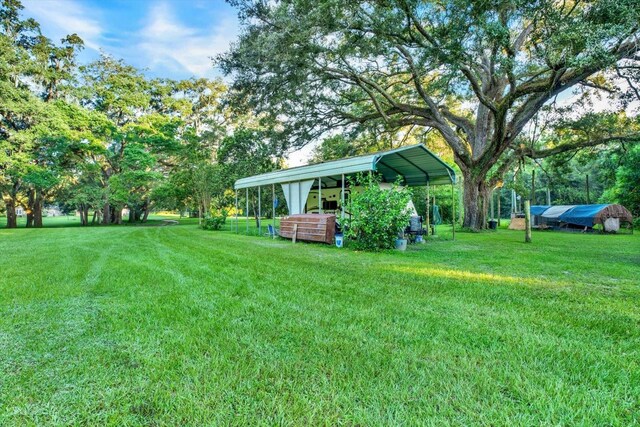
(166, 38)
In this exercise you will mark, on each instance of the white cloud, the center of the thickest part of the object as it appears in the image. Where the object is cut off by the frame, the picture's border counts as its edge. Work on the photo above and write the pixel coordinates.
(59, 18)
(163, 44)
(166, 42)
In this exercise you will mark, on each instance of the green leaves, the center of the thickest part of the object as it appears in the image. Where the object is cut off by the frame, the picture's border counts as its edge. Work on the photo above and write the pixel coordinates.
(377, 215)
(626, 190)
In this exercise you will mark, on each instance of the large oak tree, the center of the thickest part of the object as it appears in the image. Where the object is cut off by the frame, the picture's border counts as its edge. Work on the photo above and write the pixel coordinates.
(477, 72)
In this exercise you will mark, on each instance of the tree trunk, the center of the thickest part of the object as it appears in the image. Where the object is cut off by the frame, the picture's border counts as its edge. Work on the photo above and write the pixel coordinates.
(31, 196)
(36, 210)
(475, 200)
(145, 216)
(83, 220)
(132, 215)
(12, 219)
(255, 216)
(117, 216)
(106, 214)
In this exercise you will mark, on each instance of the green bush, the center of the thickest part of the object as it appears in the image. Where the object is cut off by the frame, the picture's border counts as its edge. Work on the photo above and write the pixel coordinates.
(377, 215)
(215, 221)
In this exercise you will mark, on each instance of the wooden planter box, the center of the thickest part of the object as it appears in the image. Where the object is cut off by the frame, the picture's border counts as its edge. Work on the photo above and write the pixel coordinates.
(309, 227)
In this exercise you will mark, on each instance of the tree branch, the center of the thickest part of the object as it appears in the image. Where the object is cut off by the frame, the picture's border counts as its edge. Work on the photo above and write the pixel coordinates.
(563, 148)
(477, 89)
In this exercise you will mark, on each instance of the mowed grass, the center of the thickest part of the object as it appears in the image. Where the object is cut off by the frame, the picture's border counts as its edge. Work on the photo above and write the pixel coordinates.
(177, 326)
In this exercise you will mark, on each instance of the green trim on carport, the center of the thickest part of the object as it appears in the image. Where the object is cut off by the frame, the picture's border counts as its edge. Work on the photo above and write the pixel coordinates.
(415, 163)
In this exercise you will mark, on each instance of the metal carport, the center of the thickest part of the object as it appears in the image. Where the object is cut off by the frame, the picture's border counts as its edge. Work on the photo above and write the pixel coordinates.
(415, 164)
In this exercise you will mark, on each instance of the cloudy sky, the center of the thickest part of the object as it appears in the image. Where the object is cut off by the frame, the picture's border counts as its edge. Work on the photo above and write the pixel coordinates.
(168, 38)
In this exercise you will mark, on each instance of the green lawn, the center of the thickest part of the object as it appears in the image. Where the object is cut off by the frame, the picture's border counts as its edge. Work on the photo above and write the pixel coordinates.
(177, 326)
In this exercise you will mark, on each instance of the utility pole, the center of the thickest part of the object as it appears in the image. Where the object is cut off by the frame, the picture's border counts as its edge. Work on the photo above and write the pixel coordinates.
(499, 195)
(588, 198)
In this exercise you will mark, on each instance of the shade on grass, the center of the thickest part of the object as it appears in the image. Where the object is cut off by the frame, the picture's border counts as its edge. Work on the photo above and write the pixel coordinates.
(173, 325)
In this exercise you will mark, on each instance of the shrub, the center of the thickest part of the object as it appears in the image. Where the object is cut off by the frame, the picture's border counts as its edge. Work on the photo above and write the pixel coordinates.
(215, 221)
(377, 215)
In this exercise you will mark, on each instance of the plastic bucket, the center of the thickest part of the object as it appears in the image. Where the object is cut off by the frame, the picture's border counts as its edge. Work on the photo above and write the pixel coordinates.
(419, 239)
(339, 240)
(493, 224)
(401, 244)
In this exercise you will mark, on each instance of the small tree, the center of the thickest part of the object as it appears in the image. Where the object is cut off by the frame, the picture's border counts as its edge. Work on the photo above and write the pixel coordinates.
(377, 214)
(215, 220)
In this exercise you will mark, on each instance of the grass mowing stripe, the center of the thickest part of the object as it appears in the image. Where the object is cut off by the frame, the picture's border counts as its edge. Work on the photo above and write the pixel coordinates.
(173, 325)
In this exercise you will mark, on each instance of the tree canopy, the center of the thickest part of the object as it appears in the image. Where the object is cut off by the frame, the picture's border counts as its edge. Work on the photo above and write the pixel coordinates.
(476, 72)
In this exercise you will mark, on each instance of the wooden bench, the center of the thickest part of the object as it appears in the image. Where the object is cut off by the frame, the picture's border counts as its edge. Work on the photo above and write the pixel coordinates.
(309, 227)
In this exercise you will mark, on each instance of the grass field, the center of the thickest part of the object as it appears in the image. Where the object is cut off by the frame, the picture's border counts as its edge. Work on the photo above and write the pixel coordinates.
(177, 326)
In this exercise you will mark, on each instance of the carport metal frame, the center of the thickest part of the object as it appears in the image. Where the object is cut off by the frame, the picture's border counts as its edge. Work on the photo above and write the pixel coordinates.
(436, 173)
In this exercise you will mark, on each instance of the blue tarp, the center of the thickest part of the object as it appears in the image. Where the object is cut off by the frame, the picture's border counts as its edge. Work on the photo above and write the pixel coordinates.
(582, 215)
(538, 209)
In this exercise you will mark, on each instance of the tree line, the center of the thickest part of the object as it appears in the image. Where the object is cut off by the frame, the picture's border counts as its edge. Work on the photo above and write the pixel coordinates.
(496, 88)
(96, 138)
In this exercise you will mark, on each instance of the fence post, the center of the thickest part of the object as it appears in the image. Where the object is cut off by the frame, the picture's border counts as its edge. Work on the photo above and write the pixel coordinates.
(527, 221)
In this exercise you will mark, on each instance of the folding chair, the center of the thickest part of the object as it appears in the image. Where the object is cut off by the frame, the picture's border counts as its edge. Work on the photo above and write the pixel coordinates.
(271, 231)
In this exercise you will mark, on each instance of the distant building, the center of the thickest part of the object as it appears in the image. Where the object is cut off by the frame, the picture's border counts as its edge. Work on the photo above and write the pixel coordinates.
(53, 211)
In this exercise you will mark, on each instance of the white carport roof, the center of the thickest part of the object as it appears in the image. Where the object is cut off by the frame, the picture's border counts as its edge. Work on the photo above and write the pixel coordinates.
(415, 163)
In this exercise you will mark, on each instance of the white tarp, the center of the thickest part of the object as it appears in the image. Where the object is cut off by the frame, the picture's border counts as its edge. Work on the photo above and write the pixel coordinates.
(410, 206)
(296, 194)
(554, 212)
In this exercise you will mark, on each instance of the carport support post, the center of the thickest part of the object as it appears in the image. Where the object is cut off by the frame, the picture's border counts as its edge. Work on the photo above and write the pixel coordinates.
(259, 211)
(342, 202)
(246, 213)
(453, 212)
(236, 211)
(319, 195)
(427, 219)
(273, 208)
